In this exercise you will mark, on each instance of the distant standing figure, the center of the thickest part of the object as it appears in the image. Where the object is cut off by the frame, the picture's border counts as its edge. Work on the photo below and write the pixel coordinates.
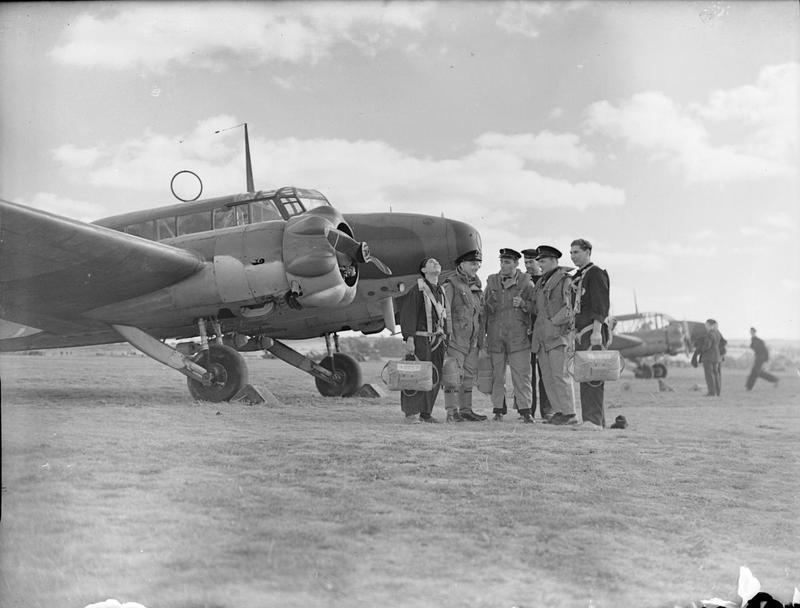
(423, 320)
(762, 356)
(590, 302)
(708, 354)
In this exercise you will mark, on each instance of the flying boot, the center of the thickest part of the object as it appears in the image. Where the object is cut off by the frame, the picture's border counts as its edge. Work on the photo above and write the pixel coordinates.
(526, 416)
(499, 412)
(451, 405)
(465, 403)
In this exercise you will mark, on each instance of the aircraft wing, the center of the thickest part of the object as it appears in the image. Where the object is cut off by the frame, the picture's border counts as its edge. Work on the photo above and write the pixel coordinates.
(53, 269)
(623, 341)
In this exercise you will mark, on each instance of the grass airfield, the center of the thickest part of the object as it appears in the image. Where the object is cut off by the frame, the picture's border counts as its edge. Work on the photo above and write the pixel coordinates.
(117, 485)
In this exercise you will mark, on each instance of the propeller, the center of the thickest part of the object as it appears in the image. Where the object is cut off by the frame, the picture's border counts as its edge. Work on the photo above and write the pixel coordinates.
(358, 251)
(687, 337)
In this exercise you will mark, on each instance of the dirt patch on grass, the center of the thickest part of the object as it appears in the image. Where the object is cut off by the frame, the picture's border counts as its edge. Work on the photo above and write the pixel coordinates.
(117, 484)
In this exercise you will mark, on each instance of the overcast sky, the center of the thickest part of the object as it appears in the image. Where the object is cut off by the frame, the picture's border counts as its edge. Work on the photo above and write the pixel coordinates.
(664, 132)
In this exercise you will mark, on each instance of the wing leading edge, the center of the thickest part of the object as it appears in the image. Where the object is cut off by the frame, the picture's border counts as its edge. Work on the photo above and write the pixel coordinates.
(53, 269)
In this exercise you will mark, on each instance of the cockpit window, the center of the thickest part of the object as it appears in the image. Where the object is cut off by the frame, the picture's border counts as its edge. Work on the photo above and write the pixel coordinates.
(224, 217)
(166, 228)
(194, 222)
(291, 206)
(312, 203)
(263, 211)
(295, 201)
(146, 230)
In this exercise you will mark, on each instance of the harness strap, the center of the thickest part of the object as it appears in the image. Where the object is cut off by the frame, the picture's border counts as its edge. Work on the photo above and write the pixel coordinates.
(443, 320)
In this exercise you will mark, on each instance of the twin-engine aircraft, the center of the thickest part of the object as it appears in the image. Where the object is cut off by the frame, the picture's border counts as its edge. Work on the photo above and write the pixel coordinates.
(228, 274)
(653, 334)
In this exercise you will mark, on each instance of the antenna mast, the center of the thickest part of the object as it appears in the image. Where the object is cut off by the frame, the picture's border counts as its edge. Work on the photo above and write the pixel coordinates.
(248, 167)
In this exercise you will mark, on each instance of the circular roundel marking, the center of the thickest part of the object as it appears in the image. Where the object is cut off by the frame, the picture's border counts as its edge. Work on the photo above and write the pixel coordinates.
(185, 185)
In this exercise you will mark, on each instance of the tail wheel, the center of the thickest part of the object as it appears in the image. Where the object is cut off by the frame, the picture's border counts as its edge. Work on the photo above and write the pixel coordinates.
(659, 370)
(644, 371)
(347, 376)
(228, 372)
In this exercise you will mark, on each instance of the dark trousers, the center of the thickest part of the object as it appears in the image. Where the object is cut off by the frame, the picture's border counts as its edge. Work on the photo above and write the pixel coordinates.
(713, 372)
(545, 410)
(592, 393)
(758, 372)
(421, 402)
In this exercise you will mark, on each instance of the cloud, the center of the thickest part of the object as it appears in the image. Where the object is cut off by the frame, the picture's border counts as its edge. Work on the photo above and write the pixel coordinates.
(208, 35)
(562, 148)
(768, 107)
(607, 256)
(81, 210)
(525, 18)
(492, 181)
(112, 603)
(681, 136)
(71, 156)
(781, 221)
(771, 228)
(684, 250)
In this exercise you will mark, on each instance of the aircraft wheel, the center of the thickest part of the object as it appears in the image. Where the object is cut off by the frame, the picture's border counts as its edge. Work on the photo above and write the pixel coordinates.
(229, 375)
(659, 370)
(644, 371)
(348, 376)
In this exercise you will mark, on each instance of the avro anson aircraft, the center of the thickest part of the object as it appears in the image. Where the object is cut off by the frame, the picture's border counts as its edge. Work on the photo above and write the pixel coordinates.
(228, 274)
(640, 335)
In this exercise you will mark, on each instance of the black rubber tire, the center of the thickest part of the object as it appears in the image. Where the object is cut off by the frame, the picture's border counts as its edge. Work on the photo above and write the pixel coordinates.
(659, 370)
(349, 378)
(230, 375)
(644, 372)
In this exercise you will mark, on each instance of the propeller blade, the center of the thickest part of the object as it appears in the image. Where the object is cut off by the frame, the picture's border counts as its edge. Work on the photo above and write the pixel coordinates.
(359, 252)
(345, 244)
(380, 265)
(687, 337)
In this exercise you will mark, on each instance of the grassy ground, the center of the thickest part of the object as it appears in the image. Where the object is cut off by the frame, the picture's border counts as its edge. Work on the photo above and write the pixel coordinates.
(116, 484)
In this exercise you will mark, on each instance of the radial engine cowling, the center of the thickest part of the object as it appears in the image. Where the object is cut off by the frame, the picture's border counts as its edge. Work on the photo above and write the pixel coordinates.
(319, 272)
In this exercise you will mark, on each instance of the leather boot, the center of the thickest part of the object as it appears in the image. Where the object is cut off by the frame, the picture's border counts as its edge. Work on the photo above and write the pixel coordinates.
(526, 416)
(454, 416)
(451, 405)
(465, 404)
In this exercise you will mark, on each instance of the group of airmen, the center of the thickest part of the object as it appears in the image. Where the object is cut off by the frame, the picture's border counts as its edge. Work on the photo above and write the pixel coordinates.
(528, 321)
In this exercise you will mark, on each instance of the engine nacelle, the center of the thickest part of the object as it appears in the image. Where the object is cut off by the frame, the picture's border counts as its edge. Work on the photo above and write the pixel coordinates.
(315, 271)
(267, 261)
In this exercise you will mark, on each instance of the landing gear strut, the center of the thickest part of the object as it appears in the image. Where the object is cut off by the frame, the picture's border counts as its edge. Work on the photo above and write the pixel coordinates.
(337, 375)
(215, 372)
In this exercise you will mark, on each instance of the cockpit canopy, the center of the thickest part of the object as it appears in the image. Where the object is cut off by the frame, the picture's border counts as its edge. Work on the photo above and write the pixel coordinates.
(644, 321)
(215, 213)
